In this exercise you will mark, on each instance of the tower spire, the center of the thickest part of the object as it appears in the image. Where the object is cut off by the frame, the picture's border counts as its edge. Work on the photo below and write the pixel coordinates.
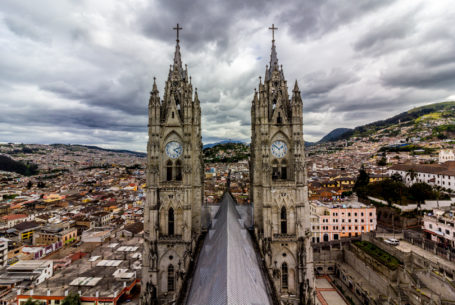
(155, 88)
(273, 55)
(177, 56)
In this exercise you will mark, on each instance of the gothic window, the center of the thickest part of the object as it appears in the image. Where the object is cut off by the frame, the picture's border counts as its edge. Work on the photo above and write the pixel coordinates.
(284, 171)
(275, 170)
(284, 223)
(169, 170)
(170, 278)
(178, 167)
(279, 119)
(284, 276)
(170, 222)
(274, 103)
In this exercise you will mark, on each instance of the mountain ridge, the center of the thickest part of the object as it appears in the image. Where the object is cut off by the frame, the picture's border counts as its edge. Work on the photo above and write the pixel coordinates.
(401, 118)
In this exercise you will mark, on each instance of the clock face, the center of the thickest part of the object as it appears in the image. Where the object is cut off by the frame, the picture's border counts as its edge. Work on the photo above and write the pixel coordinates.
(173, 149)
(279, 149)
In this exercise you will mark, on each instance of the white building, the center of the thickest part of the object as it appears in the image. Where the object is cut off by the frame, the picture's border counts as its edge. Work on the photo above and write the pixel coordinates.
(442, 175)
(446, 155)
(439, 226)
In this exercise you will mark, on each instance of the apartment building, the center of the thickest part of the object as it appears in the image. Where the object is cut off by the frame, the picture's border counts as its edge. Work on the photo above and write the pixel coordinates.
(439, 226)
(335, 221)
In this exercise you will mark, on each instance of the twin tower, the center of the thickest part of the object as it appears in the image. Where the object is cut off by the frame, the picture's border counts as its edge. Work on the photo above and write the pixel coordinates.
(172, 213)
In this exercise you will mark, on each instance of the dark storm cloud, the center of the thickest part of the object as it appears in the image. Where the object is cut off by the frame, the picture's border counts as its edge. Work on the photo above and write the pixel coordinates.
(322, 82)
(314, 18)
(437, 77)
(203, 21)
(77, 67)
(379, 39)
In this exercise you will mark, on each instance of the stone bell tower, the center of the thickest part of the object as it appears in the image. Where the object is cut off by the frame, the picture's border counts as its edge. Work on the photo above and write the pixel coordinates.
(172, 213)
(279, 186)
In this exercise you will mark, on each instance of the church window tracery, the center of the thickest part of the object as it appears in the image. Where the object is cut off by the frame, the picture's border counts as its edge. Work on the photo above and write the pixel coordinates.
(170, 278)
(284, 170)
(178, 167)
(284, 223)
(170, 222)
(275, 170)
(169, 170)
(284, 276)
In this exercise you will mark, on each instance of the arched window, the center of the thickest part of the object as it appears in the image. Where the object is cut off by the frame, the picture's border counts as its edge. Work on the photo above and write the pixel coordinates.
(170, 278)
(178, 172)
(279, 119)
(170, 222)
(284, 170)
(172, 114)
(275, 170)
(283, 220)
(169, 170)
(284, 276)
(274, 104)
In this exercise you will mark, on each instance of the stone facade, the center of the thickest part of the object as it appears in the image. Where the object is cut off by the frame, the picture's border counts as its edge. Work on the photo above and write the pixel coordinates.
(172, 214)
(279, 188)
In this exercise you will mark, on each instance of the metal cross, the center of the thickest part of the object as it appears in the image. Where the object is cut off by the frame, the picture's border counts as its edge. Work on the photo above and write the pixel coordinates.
(273, 28)
(177, 29)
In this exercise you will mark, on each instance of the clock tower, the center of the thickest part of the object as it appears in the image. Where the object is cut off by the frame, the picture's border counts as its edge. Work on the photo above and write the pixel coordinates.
(172, 212)
(279, 188)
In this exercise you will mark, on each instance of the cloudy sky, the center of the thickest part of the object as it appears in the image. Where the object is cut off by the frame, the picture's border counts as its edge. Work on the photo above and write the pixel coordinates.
(79, 71)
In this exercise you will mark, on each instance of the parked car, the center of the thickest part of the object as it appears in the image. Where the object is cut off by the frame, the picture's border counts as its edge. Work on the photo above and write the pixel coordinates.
(392, 241)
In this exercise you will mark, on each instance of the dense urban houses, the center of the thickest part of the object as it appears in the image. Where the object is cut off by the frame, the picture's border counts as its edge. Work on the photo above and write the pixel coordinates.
(441, 175)
(279, 187)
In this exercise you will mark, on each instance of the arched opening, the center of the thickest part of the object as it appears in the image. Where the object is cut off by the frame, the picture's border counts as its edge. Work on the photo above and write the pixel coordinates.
(284, 223)
(279, 119)
(178, 172)
(172, 114)
(284, 170)
(326, 237)
(284, 276)
(169, 170)
(170, 278)
(274, 104)
(275, 170)
(170, 222)
(335, 236)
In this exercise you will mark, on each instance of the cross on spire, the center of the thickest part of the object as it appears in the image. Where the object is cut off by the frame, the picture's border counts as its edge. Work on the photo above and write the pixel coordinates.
(177, 29)
(273, 28)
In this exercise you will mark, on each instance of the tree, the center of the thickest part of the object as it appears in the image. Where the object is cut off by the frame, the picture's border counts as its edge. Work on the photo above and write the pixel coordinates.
(396, 177)
(72, 298)
(391, 191)
(411, 174)
(421, 192)
(360, 186)
(382, 161)
(362, 179)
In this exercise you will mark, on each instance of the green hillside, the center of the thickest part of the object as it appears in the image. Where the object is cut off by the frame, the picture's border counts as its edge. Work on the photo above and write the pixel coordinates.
(418, 117)
(227, 153)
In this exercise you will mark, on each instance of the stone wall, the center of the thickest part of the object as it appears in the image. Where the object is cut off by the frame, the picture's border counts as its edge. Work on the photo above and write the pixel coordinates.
(326, 259)
(368, 269)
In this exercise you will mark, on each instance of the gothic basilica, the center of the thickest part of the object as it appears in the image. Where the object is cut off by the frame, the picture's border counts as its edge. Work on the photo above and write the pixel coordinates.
(243, 255)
